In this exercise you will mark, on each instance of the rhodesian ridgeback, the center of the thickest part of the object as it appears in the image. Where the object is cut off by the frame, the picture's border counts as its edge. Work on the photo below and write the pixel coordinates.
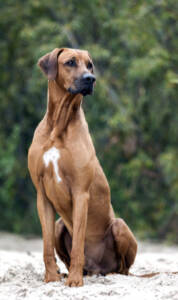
(70, 181)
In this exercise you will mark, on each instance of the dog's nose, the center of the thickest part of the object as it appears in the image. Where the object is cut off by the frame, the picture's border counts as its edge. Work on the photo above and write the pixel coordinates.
(89, 78)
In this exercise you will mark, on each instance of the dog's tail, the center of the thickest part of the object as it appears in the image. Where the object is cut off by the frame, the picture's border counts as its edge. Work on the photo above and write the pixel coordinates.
(149, 275)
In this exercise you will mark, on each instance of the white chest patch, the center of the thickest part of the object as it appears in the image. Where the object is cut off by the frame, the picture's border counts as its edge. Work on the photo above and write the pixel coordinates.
(52, 155)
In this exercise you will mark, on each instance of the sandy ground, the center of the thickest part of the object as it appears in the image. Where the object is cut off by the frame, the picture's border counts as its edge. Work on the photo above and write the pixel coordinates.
(22, 271)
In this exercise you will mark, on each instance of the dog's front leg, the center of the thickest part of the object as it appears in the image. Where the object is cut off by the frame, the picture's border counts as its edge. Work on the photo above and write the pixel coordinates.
(80, 211)
(47, 218)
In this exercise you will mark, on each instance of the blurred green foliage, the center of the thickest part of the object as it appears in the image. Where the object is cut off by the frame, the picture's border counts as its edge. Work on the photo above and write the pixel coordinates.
(132, 116)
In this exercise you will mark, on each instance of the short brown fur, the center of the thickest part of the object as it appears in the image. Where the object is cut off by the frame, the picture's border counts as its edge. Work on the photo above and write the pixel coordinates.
(88, 237)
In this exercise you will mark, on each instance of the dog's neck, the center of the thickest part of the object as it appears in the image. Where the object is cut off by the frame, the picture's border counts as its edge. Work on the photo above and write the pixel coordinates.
(62, 108)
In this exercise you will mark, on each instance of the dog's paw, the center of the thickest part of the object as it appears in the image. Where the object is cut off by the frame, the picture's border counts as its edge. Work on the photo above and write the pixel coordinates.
(50, 277)
(74, 280)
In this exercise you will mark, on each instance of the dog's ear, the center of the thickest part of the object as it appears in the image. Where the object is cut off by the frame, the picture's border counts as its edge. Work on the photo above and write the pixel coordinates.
(49, 63)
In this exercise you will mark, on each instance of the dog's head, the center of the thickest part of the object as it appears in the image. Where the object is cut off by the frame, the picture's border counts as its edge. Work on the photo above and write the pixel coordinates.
(71, 68)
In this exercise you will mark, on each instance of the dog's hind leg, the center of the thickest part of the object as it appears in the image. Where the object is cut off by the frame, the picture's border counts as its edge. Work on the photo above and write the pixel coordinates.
(126, 245)
(63, 242)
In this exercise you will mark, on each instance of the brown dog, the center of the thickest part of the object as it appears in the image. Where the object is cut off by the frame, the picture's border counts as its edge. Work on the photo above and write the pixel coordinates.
(70, 181)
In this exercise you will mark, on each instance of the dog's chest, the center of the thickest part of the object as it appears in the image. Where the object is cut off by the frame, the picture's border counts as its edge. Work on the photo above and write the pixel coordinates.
(52, 156)
(69, 160)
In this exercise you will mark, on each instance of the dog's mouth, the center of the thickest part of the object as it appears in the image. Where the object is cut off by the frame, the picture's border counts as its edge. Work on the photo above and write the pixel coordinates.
(87, 90)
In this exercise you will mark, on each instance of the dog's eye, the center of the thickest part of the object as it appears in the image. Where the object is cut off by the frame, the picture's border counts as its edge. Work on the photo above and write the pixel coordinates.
(89, 65)
(71, 63)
